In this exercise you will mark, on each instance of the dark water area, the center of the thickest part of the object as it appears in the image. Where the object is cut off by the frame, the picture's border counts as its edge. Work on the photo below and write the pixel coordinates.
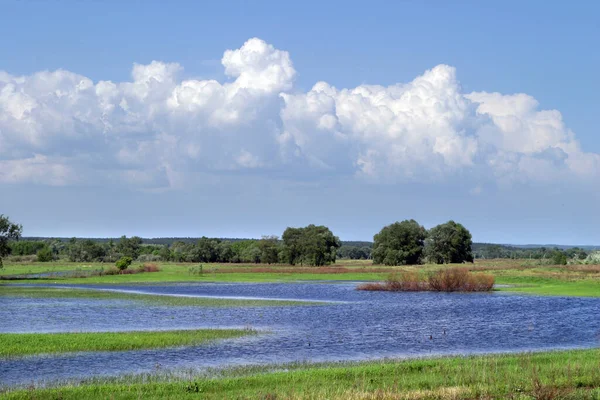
(357, 325)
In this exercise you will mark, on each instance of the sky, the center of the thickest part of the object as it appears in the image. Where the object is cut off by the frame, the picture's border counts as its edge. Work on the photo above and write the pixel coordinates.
(238, 119)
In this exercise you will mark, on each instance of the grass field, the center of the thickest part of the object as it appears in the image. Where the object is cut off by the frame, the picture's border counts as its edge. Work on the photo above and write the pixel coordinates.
(21, 344)
(552, 375)
(45, 292)
(524, 277)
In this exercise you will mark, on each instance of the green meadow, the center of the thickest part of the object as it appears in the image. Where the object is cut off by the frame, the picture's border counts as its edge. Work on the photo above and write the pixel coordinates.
(520, 275)
(22, 344)
(552, 375)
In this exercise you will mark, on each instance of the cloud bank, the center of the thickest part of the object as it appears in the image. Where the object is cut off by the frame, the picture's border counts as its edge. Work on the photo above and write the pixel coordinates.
(161, 131)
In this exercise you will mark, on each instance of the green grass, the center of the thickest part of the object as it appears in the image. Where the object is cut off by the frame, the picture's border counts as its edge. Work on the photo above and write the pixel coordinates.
(552, 375)
(550, 286)
(525, 277)
(45, 292)
(21, 344)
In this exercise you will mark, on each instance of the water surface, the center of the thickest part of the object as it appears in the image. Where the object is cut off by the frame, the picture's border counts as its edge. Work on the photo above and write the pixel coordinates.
(356, 326)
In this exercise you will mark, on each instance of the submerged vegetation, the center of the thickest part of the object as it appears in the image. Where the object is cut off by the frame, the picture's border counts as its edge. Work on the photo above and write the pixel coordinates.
(550, 375)
(151, 299)
(21, 344)
(444, 280)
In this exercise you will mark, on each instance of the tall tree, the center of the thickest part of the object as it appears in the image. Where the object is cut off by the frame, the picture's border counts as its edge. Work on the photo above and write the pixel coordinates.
(8, 231)
(449, 243)
(400, 243)
(129, 247)
(312, 245)
(269, 249)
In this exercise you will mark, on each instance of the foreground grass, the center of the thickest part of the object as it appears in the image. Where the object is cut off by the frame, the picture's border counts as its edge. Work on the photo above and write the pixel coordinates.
(522, 275)
(21, 344)
(553, 375)
(70, 293)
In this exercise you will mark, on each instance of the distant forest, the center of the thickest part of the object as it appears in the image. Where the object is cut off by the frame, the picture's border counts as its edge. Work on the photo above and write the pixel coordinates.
(248, 251)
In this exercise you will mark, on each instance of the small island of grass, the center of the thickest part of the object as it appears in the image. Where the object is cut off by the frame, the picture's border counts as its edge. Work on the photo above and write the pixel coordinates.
(22, 344)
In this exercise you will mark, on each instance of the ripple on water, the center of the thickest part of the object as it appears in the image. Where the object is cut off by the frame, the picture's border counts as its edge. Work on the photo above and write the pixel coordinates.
(364, 325)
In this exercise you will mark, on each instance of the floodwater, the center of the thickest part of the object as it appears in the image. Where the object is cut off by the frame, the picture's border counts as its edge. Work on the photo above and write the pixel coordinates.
(356, 325)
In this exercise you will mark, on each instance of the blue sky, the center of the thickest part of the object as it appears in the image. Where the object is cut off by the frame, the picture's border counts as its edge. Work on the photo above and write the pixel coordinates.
(482, 113)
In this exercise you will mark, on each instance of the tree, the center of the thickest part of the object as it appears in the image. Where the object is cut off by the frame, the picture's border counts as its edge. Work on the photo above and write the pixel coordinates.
(123, 262)
(45, 254)
(269, 249)
(8, 231)
(400, 243)
(129, 247)
(449, 243)
(312, 245)
(85, 250)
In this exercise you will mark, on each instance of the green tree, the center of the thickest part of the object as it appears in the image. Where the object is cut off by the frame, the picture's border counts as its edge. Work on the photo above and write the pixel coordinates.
(292, 245)
(400, 243)
(8, 232)
(85, 250)
(312, 245)
(559, 257)
(269, 249)
(123, 262)
(129, 247)
(449, 243)
(45, 254)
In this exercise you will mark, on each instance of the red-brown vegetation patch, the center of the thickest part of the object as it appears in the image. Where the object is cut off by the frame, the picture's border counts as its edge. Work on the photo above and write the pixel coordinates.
(444, 280)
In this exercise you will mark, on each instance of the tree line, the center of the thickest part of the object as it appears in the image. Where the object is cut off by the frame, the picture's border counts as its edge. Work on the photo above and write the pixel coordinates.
(400, 243)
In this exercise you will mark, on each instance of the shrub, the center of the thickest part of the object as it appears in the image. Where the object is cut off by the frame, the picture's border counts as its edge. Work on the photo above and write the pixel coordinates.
(459, 280)
(199, 270)
(123, 263)
(148, 267)
(45, 255)
(445, 280)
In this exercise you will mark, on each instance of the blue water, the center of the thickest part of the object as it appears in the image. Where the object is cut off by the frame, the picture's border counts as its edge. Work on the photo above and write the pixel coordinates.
(358, 325)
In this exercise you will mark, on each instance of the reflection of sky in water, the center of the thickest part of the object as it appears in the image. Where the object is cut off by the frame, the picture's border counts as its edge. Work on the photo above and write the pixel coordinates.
(364, 325)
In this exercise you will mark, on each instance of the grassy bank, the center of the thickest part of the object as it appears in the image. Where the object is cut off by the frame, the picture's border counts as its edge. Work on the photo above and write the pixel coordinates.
(21, 344)
(522, 275)
(68, 293)
(554, 375)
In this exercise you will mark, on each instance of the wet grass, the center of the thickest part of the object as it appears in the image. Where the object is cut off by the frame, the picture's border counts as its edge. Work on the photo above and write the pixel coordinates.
(164, 300)
(22, 344)
(552, 375)
(523, 275)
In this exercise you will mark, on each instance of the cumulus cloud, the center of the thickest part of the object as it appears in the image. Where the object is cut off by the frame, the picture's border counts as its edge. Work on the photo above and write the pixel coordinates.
(157, 130)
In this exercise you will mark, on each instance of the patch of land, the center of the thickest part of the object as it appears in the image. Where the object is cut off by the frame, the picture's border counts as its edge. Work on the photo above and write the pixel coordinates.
(523, 276)
(551, 375)
(165, 300)
(22, 344)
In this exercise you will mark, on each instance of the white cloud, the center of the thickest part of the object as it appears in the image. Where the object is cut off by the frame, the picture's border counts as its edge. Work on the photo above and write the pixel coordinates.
(61, 128)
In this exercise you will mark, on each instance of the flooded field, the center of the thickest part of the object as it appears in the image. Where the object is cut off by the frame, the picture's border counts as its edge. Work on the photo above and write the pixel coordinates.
(350, 325)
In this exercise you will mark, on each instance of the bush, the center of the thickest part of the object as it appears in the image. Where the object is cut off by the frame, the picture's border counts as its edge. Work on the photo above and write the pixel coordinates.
(445, 280)
(45, 255)
(559, 258)
(199, 270)
(123, 263)
(148, 267)
(459, 280)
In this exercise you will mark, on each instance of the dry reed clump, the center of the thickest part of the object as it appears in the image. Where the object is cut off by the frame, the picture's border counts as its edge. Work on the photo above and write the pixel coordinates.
(146, 267)
(444, 280)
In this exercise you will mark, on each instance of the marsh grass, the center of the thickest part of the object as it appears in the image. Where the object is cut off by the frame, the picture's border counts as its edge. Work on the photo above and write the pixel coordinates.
(521, 275)
(163, 300)
(21, 344)
(451, 279)
(551, 375)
